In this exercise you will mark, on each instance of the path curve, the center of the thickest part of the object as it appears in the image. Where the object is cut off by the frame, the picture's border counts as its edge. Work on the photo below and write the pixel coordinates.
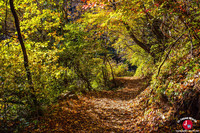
(119, 111)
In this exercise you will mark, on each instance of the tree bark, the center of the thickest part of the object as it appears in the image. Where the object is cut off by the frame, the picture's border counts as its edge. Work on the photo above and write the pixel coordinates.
(26, 65)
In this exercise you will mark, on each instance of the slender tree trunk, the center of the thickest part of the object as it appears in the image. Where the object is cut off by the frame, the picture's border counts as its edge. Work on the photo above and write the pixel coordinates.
(26, 65)
(82, 76)
(5, 22)
(104, 72)
(112, 72)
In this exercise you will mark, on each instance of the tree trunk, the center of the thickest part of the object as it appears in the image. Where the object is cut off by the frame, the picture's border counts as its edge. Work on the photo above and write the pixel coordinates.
(82, 76)
(139, 43)
(5, 22)
(104, 72)
(26, 65)
(112, 73)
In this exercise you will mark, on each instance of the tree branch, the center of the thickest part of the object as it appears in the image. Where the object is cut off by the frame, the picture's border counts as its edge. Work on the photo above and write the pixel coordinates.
(166, 56)
(139, 43)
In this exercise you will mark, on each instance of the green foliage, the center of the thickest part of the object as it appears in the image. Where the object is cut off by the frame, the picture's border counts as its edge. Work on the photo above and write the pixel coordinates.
(68, 51)
(46, 79)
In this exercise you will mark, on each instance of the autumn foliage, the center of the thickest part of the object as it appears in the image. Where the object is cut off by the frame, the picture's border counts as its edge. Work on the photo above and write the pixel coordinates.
(99, 65)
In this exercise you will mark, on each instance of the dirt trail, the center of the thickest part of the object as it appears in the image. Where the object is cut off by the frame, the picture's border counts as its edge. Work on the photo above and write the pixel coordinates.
(107, 111)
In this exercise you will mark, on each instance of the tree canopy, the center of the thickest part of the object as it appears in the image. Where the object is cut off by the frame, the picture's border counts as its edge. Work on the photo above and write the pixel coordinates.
(51, 48)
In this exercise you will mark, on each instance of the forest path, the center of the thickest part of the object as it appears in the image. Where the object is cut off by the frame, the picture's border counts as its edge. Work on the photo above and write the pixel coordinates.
(119, 111)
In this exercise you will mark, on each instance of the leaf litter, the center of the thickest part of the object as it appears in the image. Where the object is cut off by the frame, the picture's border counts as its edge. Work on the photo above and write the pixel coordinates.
(123, 110)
